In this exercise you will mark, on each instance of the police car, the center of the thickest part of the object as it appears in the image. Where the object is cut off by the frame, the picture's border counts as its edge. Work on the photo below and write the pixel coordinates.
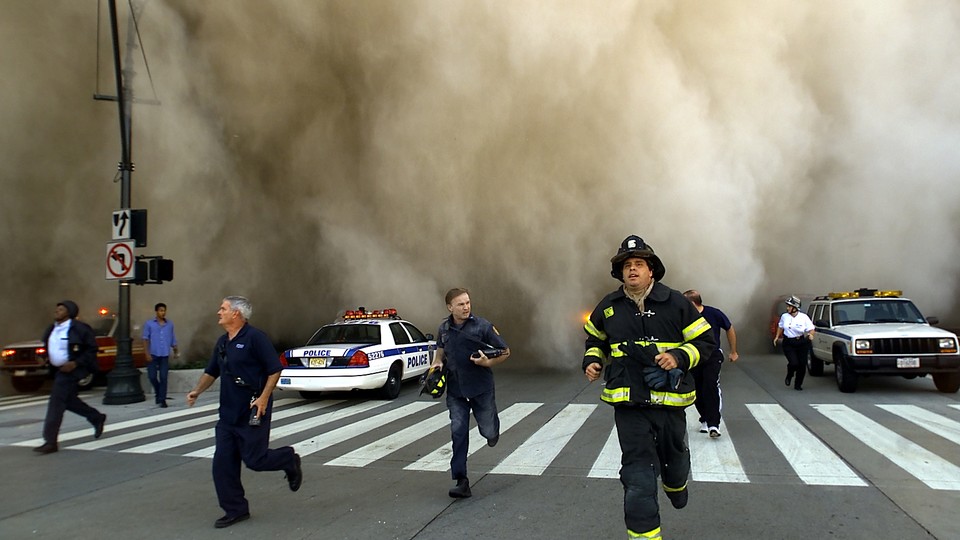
(872, 332)
(360, 350)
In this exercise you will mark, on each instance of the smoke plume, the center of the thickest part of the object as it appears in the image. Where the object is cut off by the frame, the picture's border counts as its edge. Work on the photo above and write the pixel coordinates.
(316, 156)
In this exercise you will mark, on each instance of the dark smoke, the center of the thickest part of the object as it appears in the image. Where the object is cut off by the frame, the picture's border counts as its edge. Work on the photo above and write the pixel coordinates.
(321, 155)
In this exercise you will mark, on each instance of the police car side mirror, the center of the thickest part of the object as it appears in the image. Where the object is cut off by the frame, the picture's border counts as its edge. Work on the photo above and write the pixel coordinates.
(429, 337)
(933, 321)
(820, 323)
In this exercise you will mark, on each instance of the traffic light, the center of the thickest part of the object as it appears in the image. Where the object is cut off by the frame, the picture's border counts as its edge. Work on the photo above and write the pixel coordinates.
(152, 269)
(161, 270)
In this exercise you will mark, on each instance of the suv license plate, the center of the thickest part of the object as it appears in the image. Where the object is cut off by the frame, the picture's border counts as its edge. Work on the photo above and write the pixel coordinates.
(908, 362)
(20, 373)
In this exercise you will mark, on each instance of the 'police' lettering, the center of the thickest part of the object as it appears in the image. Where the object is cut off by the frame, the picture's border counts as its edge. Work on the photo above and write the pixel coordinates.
(417, 360)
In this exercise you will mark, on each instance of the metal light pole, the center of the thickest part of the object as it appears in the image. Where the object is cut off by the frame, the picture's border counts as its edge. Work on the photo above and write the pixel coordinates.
(123, 383)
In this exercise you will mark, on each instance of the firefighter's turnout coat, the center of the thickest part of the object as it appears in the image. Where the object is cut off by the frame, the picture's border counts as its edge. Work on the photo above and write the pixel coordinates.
(669, 321)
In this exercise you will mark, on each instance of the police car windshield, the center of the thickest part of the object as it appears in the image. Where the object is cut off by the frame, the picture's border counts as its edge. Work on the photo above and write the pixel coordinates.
(333, 334)
(876, 311)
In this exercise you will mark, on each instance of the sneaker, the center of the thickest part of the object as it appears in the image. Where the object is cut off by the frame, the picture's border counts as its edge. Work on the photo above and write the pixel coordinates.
(461, 490)
(714, 432)
(703, 427)
(678, 498)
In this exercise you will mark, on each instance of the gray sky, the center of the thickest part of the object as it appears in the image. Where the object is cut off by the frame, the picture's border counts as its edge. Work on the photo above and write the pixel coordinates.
(315, 156)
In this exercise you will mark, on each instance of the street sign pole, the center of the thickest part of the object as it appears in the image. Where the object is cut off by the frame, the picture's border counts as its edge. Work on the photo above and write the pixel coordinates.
(123, 383)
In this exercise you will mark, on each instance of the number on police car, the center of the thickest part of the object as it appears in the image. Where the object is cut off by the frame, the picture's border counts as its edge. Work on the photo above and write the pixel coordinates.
(908, 362)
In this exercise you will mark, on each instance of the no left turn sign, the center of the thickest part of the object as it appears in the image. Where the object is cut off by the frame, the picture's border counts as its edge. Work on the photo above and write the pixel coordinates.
(120, 262)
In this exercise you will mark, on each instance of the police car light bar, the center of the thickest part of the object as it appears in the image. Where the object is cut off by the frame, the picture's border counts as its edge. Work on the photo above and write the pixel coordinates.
(859, 293)
(362, 313)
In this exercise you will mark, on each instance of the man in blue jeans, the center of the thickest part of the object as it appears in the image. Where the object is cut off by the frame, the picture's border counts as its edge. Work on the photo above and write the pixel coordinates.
(158, 339)
(469, 346)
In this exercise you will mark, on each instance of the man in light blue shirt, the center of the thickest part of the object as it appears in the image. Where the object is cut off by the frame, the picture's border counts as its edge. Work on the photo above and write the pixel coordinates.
(158, 339)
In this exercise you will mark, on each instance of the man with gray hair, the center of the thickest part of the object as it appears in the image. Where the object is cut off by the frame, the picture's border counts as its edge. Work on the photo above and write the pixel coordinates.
(249, 368)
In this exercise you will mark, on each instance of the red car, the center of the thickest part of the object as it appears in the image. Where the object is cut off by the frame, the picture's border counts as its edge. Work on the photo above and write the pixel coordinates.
(28, 366)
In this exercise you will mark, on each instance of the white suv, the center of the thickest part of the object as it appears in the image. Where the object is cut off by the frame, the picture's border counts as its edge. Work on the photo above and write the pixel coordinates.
(871, 332)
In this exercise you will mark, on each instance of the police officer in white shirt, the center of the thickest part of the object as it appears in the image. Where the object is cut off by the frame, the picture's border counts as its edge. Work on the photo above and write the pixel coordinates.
(795, 329)
(72, 350)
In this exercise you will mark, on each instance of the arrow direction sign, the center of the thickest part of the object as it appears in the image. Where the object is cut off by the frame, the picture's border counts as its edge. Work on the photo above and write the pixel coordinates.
(120, 261)
(121, 225)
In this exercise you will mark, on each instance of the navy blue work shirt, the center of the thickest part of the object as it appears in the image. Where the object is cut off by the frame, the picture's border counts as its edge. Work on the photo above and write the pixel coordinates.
(243, 365)
(464, 378)
(717, 320)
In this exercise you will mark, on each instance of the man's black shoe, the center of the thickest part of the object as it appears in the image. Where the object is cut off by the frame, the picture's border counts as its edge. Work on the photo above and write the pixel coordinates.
(46, 448)
(462, 489)
(678, 498)
(787, 380)
(98, 427)
(227, 521)
(163, 404)
(295, 477)
(492, 441)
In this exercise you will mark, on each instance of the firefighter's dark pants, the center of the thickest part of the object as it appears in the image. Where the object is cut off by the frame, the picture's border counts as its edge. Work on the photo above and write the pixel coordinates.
(706, 376)
(63, 397)
(648, 436)
(796, 350)
(247, 444)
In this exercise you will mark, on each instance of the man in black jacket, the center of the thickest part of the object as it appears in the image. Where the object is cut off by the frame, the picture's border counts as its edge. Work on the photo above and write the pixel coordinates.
(72, 350)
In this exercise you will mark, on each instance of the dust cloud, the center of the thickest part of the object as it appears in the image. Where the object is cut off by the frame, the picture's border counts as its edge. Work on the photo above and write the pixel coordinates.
(316, 156)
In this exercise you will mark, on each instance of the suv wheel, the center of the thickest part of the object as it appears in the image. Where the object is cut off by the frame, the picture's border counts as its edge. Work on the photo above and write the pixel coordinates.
(815, 365)
(26, 384)
(846, 378)
(87, 382)
(947, 383)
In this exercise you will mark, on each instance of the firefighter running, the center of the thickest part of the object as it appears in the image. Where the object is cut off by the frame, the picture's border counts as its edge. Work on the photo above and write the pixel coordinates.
(652, 336)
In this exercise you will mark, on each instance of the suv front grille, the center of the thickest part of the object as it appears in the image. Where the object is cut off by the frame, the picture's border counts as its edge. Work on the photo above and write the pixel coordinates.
(906, 346)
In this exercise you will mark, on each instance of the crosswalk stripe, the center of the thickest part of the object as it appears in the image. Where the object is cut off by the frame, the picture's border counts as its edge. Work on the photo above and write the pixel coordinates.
(538, 452)
(932, 422)
(86, 432)
(439, 459)
(607, 464)
(330, 438)
(31, 401)
(368, 454)
(814, 462)
(208, 430)
(924, 465)
(712, 459)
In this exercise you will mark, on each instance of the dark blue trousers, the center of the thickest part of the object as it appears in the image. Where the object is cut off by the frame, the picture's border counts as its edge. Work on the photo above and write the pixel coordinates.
(63, 397)
(248, 445)
(157, 371)
(485, 411)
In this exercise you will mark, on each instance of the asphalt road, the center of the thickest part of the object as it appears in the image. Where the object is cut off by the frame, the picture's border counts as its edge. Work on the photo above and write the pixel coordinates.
(789, 465)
